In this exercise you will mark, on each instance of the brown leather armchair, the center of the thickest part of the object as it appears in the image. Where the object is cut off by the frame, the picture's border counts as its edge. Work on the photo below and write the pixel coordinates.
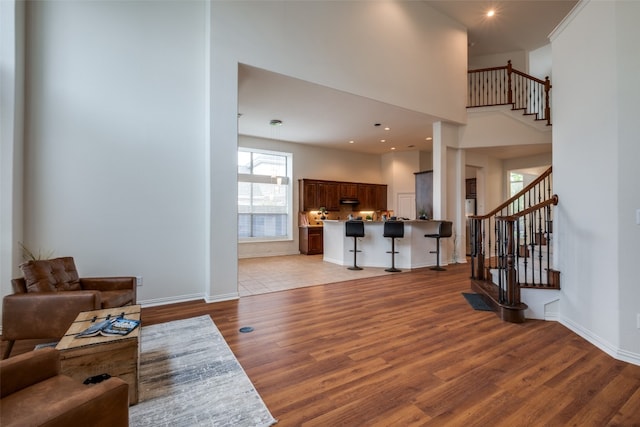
(50, 295)
(34, 393)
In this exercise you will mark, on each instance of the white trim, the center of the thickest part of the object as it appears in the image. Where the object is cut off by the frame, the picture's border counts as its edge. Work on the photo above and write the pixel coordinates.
(601, 343)
(567, 19)
(170, 300)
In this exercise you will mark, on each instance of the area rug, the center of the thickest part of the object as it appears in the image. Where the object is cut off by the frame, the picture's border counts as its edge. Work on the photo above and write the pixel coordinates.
(476, 302)
(190, 377)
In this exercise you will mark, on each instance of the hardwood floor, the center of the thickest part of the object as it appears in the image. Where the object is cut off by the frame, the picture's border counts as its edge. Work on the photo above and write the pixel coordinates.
(407, 349)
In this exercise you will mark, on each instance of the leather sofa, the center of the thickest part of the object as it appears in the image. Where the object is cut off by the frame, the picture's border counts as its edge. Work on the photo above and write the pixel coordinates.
(48, 298)
(34, 393)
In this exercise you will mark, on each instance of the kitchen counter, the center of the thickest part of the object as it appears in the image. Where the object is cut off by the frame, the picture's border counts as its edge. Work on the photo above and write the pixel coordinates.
(414, 250)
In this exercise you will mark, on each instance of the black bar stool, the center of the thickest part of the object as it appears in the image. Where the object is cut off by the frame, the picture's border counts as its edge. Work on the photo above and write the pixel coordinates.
(444, 230)
(354, 229)
(393, 229)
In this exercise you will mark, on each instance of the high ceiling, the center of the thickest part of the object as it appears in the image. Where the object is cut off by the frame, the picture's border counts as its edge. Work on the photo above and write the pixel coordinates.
(334, 118)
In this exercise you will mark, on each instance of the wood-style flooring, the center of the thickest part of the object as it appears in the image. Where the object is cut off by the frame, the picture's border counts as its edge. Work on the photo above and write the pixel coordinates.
(407, 350)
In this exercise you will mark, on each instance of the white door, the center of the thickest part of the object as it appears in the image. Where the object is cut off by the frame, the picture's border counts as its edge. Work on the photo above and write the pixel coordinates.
(406, 206)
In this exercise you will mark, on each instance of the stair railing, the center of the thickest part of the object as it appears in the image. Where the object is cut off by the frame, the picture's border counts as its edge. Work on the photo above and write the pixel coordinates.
(512, 241)
(505, 85)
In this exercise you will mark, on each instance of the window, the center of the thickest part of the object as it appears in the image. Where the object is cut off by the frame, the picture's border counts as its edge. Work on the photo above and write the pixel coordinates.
(264, 195)
(516, 183)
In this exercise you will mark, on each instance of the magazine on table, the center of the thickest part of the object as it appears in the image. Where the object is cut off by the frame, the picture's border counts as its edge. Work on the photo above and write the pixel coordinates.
(111, 326)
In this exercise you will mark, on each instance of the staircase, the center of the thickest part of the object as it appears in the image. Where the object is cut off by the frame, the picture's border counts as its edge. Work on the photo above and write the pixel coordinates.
(511, 251)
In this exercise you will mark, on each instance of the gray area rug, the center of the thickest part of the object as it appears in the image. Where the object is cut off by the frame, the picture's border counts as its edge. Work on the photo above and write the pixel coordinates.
(190, 377)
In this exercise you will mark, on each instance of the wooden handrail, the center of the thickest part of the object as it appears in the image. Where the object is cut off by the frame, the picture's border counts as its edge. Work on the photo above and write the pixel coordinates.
(505, 85)
(535, 79)
(520, 193)
(482, 70)
(551, 201)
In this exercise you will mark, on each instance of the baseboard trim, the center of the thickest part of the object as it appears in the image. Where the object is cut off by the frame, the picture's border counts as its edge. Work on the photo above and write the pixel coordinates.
(171, 300)
(602, 344)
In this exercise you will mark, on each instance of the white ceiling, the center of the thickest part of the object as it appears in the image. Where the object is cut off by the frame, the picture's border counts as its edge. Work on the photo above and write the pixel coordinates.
(334, 118)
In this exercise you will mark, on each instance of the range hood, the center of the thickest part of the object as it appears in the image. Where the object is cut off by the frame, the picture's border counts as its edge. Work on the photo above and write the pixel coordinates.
(349, 201)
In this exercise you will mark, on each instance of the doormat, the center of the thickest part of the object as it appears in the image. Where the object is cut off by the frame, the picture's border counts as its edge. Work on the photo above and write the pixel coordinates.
(476, 302)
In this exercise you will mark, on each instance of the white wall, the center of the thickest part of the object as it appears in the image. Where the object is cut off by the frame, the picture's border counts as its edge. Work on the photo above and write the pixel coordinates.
(518, 61)
(499, 126)
(628, 93)
(595, 161)
(540, 63)
(12, 34)
(398, 173)
(115, 140)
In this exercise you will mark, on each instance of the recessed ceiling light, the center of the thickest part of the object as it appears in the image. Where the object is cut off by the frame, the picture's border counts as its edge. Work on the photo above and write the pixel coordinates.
(387, 128)
(393, 148)
(428, 138)
(351, 142)
(383, 140)
(491, 13)
(275, 122)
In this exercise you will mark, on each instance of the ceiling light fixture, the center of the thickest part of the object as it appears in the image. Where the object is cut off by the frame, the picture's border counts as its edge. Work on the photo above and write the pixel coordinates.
(351, 142)
(428, 138)
(387, 128)
(275, 122)
(383, 140)
(491, 13)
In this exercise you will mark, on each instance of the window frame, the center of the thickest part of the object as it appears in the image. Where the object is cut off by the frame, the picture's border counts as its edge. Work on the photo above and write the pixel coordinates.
(266, 179)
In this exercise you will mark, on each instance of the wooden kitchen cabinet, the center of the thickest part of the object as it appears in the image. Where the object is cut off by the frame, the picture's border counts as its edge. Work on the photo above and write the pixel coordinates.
(348, 190)
(328, 195)
(311, 240)
(471, 188)
(367, 197)
(315, 193)
(381, 198)
(308, 195)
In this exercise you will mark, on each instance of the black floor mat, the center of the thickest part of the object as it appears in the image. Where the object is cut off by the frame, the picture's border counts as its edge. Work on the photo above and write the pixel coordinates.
(476, 301)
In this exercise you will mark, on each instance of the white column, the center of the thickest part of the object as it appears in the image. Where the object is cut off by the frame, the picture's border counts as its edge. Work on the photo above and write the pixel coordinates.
(439, 172)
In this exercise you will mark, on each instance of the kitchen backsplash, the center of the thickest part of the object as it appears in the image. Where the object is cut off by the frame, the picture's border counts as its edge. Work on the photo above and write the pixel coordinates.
(315, 217)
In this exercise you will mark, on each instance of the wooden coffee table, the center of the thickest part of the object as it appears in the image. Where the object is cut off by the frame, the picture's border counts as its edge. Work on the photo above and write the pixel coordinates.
(117, 356)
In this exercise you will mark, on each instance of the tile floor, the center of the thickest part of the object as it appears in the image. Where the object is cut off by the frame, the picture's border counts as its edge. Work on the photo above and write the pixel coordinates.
(278, 273)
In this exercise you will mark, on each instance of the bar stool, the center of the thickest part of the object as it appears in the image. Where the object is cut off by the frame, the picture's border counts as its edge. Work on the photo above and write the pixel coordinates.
(444, 230)
(354, 229)
(394, 230)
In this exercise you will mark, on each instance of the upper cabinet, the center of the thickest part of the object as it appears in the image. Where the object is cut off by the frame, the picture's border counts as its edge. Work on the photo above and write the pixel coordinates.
(328, 195)
(348, 190)
(308, 195)
(470, 187)
(381, 198)
(315, 194)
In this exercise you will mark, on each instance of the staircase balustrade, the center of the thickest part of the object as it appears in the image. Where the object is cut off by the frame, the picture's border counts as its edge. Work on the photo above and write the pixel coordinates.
(510, 247)
(507, 86)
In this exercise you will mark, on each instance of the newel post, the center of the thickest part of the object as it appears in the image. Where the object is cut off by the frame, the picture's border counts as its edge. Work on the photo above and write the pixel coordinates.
(547, 107)
(513, 289)
(509, 91)
(477, 250)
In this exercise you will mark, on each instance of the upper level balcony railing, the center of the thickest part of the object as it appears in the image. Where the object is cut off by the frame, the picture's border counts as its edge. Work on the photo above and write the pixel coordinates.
(508, 86)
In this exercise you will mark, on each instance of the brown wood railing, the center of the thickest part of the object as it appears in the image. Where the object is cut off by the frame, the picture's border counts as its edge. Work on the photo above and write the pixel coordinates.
(505, 85)
(510, 247)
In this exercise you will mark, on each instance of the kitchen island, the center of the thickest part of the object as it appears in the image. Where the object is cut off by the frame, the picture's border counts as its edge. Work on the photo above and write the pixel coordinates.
(414, 250)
